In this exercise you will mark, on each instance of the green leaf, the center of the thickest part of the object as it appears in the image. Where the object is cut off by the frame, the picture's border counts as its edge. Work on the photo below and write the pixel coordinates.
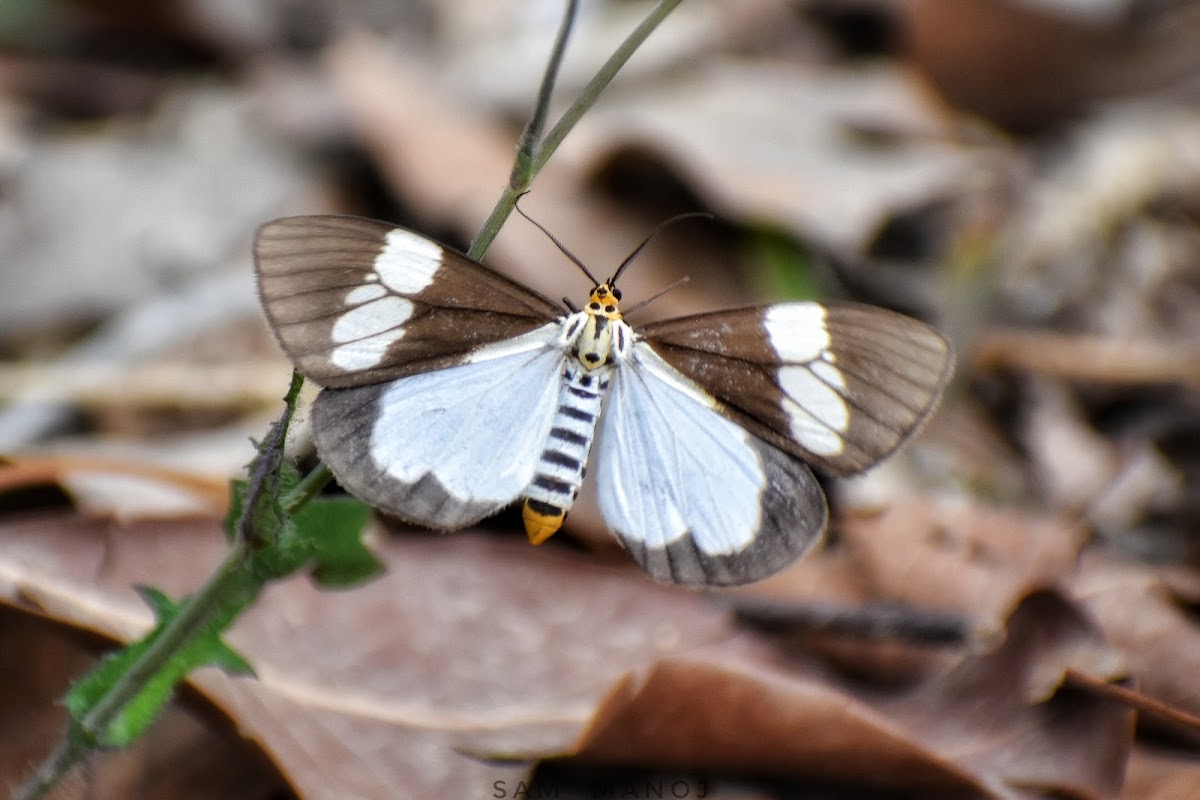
(332, 528)
(137, 715)
(88, 691)
(230, 661)
(162, 606)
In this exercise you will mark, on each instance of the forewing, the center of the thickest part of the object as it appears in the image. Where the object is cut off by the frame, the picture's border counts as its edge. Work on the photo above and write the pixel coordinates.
(694, 497)
(356, 301)
(445, 448)
(841, 386)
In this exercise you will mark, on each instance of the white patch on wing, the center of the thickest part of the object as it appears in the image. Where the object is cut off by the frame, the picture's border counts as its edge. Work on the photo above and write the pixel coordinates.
(365, 353)
(408, 262)
(364, 294)
(810, 432)
(816, 413)
(364, 334)
(815, 396)
(797, 331)
(829, 373)
(378, 316)
(669, 464)
(478, 428)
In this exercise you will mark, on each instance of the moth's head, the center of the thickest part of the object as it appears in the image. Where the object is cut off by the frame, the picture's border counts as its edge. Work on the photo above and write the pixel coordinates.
(604, 301)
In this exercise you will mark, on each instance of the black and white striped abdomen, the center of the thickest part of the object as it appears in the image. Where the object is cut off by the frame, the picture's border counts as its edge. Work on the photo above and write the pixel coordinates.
(563, 460)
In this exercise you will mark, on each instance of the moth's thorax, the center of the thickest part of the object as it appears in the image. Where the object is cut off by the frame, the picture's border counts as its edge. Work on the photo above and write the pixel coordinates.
(597, 335)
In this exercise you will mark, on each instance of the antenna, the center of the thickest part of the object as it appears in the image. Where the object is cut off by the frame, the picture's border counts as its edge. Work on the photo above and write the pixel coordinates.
(557, 243)
(655, 296)
(653, 233)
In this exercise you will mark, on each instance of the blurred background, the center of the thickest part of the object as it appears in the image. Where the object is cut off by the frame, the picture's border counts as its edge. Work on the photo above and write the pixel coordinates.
(1006, 609)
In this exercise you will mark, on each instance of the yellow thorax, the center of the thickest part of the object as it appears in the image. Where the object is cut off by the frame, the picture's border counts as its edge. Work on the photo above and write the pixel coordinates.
(603, 302)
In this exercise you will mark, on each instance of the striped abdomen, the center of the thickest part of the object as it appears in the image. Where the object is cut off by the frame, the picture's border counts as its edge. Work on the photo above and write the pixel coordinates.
(563, 461)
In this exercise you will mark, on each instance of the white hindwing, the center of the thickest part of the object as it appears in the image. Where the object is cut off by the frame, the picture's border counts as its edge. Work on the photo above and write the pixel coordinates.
(694, 497)
(448, 447)
(669, 464)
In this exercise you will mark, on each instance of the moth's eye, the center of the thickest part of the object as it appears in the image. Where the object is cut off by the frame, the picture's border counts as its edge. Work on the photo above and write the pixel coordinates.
(617, 294)
(594, 306)
(610, 309)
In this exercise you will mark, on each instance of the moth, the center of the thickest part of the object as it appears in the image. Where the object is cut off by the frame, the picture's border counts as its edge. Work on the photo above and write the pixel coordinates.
(449, 391)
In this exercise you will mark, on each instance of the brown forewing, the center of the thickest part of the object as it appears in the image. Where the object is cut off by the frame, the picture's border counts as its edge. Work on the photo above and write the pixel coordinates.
(306, 266)
(894, 368)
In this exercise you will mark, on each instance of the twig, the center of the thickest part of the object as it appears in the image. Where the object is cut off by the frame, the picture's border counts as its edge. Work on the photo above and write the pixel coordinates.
(1089, 357)
(521, 178)
(523, 171)
(875, 621)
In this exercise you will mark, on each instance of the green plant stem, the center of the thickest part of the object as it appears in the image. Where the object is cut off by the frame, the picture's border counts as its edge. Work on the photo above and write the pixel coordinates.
(587, 98)
(491, 227)
(526, 169)
(265, 469)
(308, 488)
(65, 756)
(532, 134)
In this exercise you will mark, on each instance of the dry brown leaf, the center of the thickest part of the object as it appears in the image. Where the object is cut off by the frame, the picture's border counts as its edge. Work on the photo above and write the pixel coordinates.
(1064, 253)
(953, 555)
(991, 714)
(121, 489)
(827, 573)
(1088, 357)
(1070, 461)
(1161, 775)
(1140, 615)
(214, 301)
(168, 202)
(982, 725)
(476, 646)
(138, 386)
(744, 711)
(786, 145)
(1071, 55)
(832, 579)
(1148, 708)
(35, 665)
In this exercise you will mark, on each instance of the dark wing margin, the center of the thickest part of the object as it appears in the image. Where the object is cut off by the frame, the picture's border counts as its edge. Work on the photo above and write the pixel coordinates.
(794, 516)
(840, 386)
(343, 420)
(355, 301)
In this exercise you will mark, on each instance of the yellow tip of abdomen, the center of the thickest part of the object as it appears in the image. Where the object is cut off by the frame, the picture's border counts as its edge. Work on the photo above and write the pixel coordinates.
(540, 526)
